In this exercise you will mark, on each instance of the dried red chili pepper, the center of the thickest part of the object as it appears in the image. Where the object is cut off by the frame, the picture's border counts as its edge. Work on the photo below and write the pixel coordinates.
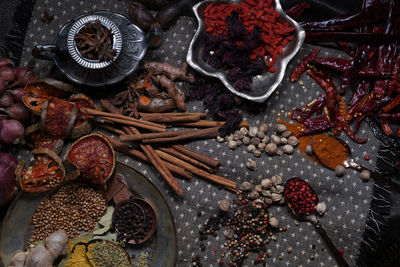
(316, 125)
(347, 48)
(302, 66)
(394, 81)
(394, 103)
(386, 126)
(297, 10)
(362, 89)
(316, 105)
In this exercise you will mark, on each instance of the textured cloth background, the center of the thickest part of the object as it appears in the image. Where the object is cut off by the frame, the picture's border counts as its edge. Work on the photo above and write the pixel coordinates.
(347, 198)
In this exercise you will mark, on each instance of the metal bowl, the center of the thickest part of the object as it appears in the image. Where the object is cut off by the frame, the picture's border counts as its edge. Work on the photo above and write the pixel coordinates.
(74, 51)
(263, 85)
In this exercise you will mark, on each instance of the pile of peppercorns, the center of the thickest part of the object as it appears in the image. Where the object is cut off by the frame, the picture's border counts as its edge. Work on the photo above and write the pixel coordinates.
(248, 225)
(132, 223)
(300, 197)
(257, 141)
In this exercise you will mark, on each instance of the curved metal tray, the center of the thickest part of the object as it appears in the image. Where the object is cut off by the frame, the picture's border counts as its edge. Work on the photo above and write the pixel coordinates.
(161, 246)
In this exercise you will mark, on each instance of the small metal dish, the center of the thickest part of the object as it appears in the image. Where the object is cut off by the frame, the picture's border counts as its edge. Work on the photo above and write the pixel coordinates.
(74, 51)
(263, 85)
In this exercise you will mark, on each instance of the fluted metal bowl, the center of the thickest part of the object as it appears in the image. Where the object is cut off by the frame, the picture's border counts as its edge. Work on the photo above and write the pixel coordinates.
(263, 85)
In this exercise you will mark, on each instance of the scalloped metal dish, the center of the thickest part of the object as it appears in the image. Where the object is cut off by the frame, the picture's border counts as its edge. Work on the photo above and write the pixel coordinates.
(263, 85)
(73, 49)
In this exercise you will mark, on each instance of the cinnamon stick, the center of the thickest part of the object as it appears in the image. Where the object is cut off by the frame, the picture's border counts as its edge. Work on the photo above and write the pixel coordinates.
(138, 137)
(109, 128)
(139, 155)
(200, 157)
(206, 124)
(199, 172)
(158, 164)
(188, 135)
(144, 114)
(171, 119)
(125, 120)
(181, 156)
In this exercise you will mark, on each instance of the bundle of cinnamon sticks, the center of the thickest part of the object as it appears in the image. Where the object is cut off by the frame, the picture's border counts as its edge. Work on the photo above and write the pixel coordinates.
(168, 155)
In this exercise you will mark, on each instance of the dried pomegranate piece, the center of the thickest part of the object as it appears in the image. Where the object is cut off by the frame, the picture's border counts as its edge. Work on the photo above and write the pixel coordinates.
(46, 173)
(94, 156)
(58, 117)
(82, 124)
(35, 94)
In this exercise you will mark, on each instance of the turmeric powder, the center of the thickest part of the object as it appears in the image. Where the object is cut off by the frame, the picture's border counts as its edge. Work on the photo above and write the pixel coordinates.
(78, 257)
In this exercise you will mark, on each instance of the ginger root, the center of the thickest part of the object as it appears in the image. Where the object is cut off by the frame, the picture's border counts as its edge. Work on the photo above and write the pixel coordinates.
(43, 255)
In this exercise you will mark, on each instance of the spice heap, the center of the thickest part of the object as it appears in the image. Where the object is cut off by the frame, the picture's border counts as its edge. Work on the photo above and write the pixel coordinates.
(372, 72)
(107, 254)
(267, 33)
(301, 198)
(72, 208)
(248, 225)
(95, 41)
(329, 151)
(132, 223)
(257, 141)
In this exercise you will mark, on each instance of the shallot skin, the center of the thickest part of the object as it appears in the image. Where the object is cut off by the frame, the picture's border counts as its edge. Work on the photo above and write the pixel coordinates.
(11, 131)
(141, 16)
(168, 16)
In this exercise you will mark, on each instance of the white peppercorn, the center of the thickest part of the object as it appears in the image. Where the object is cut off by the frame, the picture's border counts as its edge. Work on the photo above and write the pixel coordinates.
(246, 140)
(261, 146)
(255, 141)
(258, 188)
(246, 186)
(279, 152)
(220, 139)
(365, 175)
(271, 148)
(274, 222)
(251, 164)
(279, 188)
(292, 140)
(268, 201)
(266, 183)
(237, 136)
(265, 140)
(238, 143)
(223, 205)
(253, 131)
(273, 190)
(275, 139)
(284, 141)
(288, 149)
(229, 138)
(280, 128)
(309, 150)
(286, 134)
(260, 134)
(257, 153)
(320, 208)
(254, 194)
(276, 180)
(232, 144)
(276, 197)
(340, 170)
(251, 148)
(266, 193)
(263, 127)
(244, 131)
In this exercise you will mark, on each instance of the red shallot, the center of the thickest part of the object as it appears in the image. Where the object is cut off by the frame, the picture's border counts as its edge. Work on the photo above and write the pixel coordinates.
(7, 74)
(11, 131)
(18, 112)
(17, 93)
(7, 181)
(5, 62)
(6, 100)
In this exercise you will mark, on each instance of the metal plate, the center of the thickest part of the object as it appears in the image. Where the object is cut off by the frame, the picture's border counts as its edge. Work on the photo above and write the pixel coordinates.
(134, 47)
(263, 85)
(161, 246)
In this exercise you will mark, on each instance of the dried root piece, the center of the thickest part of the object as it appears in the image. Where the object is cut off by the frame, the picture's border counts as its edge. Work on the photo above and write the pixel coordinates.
(172, 72)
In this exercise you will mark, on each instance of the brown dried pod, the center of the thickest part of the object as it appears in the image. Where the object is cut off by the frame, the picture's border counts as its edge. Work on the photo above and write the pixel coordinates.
(82, 123)
(154, 4)
(156, 36)
(34, 138)
(141, 16)
(168, 15)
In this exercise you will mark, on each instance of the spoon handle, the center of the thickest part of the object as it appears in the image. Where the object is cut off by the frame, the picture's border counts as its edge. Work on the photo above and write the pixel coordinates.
(339, 258)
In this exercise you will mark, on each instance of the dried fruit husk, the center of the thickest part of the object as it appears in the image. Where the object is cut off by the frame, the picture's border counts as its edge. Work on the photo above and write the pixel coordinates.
(168, 16)
(35, 139)
(35, 94)
(154, 4)
(82, 123)
(94, 157)
(46, 173)
(58, 117)
(157, 105)
(141, 16)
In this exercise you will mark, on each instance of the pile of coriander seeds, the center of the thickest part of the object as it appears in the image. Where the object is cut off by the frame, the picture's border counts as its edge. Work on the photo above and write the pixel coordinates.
(257, 141)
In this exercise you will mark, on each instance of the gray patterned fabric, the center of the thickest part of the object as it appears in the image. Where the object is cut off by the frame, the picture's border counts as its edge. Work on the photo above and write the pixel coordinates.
(347, 198)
